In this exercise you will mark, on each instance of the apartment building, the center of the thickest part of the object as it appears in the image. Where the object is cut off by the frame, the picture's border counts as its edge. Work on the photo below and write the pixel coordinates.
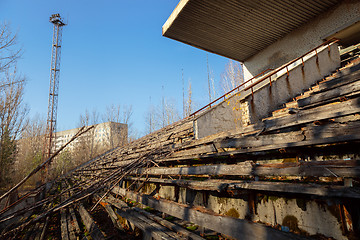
(107, 135)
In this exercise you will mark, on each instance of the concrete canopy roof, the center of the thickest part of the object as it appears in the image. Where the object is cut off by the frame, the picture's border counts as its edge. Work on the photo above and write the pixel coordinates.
(238, 29)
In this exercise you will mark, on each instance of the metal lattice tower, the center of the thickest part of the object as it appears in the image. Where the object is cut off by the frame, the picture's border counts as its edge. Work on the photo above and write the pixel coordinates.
(50, 136)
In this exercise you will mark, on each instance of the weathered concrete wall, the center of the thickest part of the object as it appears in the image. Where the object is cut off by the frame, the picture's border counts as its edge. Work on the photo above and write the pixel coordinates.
(244, 108)
(305, 216)
(268, 98)
(303, 39)
(298, 215)
(225, 116)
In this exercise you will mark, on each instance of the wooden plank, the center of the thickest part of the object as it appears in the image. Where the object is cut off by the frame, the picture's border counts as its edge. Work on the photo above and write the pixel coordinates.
(207, 185)
(121, 205)
(36, 231)
(39, 231)
(309, 135)
(111, 214)
(197, 150)
(71, 228)
(30, 231)
(148, 226)
(311, 189)
(305, 169)
(262, 140)
(333, 130)
(352, 74)
(330, 94)
(333, 100)
(90, 225)
(63, 220)
(157, 227)
(302, 117)
(283, 187)
(63, 225)
(236, 228)
(74, 223)
(113, 217)
(315, 114)
(170, 225)
(317, 135)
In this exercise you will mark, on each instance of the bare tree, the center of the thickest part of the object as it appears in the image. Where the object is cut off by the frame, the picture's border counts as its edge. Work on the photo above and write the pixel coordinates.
(9, 52)
(189, 101)
(211, 86)
(86, 148)
(118, 113)
(161, 115)
(151, 120)
(118, 134)
(232, 77)
(183, 92)
(12, 109)
(63, 163)
(12, 119)
(212, 83)
(169, 113)
(29, 149)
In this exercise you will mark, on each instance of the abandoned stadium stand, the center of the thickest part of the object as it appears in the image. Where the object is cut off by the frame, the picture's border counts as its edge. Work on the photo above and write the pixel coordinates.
(276, 158)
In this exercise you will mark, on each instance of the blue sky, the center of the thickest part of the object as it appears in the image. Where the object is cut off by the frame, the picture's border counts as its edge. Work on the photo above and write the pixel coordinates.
(113, 53)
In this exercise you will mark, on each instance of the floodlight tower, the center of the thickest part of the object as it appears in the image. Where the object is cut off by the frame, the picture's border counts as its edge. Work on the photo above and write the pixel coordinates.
(58, 23)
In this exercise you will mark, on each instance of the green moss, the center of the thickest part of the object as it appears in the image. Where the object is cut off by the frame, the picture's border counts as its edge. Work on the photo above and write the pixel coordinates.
(267, 198)
(262, 197)
(273, 198)
(192, 227)
(232, 213)
(170, 218)
(149, 209)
